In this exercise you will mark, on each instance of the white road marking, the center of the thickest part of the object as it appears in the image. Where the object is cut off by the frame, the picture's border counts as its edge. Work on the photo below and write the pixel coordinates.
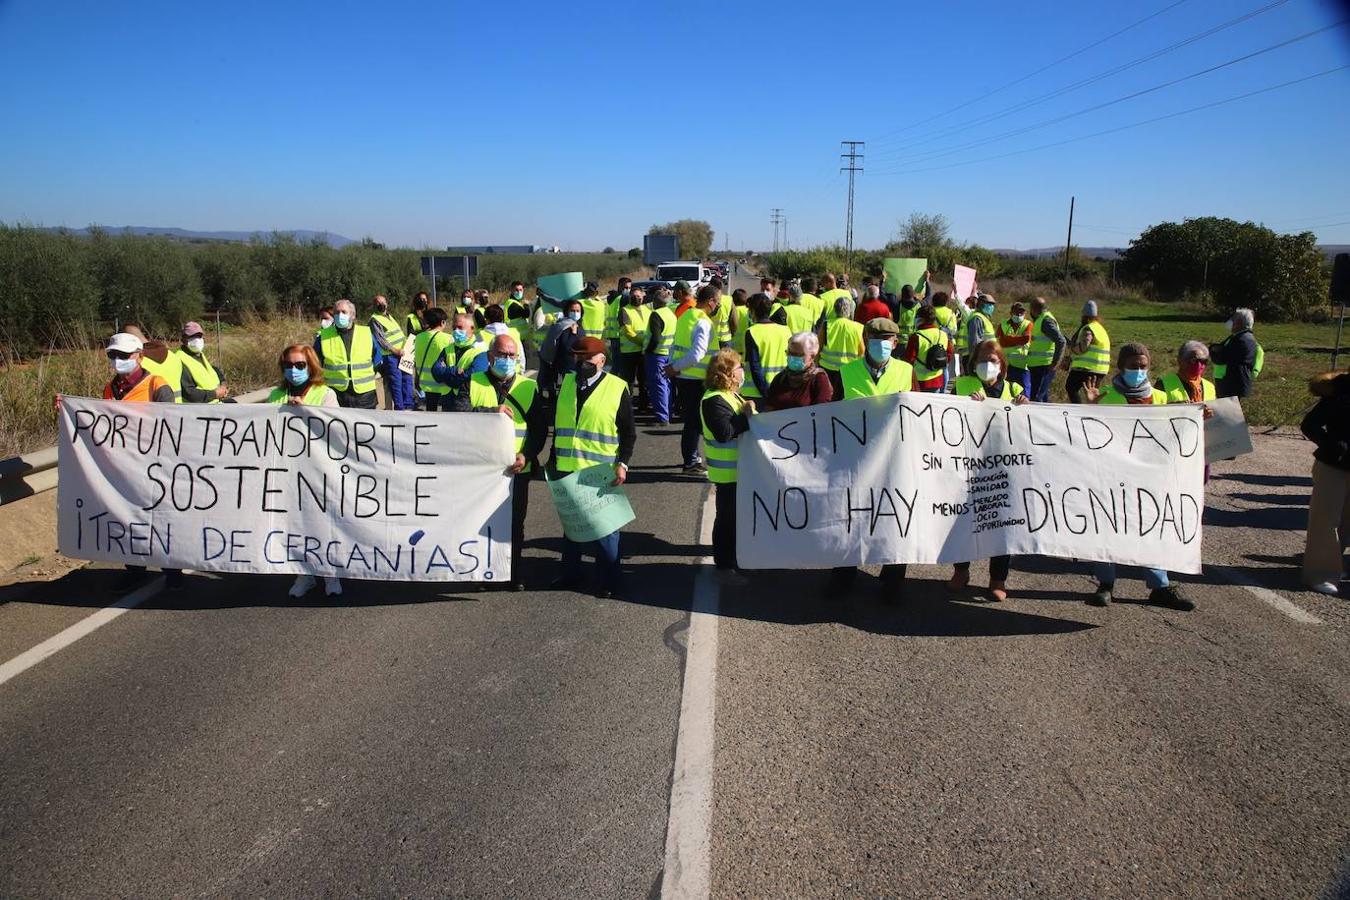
(89, 624)
(688, 853)
(1265, 594)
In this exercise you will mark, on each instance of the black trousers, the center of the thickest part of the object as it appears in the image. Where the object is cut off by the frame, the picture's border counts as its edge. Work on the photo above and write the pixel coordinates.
(628, 366)
(999, 566)
(520, 506)
(724, 526)
(352, 400)
(437, 402)
(690, 394)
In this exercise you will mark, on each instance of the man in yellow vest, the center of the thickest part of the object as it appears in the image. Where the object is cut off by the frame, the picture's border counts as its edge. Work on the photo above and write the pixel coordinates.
(722, 332)
(201, 382)
(811, 301)
(634, 320)
(1088, 358)
(695, 343)
(614, 306)
(594, 311)
(391, 339)
(766, 346)
(979, 327)
(464, 357)
(429, 346)
(1045, 350)
(830, 291)
(349, 357)
(518, 314)
(878, 372)
(661, 325)
(801, 315)
(503, 389)
(592, 426)
(1014, 336)
(842, 341)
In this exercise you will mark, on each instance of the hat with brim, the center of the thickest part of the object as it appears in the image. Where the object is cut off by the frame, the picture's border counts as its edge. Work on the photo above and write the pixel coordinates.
(192, 329)
(125, 343)
(588, 346)
(882, 326)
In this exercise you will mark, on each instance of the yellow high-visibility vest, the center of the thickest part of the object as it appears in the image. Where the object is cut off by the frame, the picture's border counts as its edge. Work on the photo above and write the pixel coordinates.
(896, 377)
(203, 373)
(523, 390)
(843, 344)
(721, 456)
(339, 372)
(1097, 358)
(592, 437)
(772, 341)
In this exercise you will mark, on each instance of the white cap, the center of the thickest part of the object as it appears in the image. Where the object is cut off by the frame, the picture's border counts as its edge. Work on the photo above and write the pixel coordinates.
(125, 343)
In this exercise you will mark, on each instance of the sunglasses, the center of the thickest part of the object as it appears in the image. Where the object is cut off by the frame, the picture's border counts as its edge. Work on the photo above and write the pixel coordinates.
(118, 354)
(293, 364)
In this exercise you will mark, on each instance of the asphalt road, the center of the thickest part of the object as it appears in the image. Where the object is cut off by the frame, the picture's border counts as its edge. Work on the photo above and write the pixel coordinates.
(422, 742)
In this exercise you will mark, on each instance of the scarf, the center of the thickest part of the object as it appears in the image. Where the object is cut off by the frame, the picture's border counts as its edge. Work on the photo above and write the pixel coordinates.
(1141, 394)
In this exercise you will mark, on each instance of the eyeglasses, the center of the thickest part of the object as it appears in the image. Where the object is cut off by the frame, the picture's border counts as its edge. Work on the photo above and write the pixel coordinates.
(296, 364)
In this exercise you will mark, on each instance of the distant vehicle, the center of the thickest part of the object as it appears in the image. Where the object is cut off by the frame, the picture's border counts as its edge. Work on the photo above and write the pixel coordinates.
(693, 273)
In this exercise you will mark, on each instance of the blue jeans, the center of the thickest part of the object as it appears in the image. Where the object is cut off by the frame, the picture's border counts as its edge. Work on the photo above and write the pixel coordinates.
(1105, 573)
(1041, 378)
(658, 388)
(1022, 377)
(398, 385)
(606, 553)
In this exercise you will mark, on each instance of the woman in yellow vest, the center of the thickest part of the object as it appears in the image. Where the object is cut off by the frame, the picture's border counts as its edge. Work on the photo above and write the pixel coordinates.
(1089, 355)
(766, 344)
(302, 384)
(988, 380)
(392, 341)
(1188, 383)
(592, 426)
(634, 320)
(1014, 336)
(429, 346)
(725, 416)
(1131, 387)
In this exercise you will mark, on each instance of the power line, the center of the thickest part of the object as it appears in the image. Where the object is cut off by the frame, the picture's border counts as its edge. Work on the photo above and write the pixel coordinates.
(1084, 137)
(949, 151)
(1080, 51)
(852, 168)
(775, 217)
(1093, 79)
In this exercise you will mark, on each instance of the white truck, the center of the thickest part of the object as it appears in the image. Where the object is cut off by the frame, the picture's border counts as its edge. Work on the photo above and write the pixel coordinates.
(695, 274)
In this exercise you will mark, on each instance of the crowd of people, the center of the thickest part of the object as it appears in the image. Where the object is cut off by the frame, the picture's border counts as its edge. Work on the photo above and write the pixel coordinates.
(709, 361)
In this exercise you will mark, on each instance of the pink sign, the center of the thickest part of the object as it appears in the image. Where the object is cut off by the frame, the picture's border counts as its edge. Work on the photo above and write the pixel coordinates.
(964, 280)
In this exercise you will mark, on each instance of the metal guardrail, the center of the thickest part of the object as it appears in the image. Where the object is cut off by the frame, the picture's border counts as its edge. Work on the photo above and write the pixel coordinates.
(34, 473)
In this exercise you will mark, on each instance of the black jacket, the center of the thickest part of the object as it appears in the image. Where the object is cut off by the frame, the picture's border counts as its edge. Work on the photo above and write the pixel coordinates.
(1328, 424)
(1238, 353)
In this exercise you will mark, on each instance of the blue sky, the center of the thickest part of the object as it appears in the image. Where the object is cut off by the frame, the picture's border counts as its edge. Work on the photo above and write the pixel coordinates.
(581, 124)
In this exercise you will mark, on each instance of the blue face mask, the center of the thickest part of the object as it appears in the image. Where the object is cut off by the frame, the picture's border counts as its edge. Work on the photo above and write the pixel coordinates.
(343, 321)
(1134, 377)
(987, 309)
(879, 350)
(297, 377)
(504, 366)
(574, 315)
(460, 335)
(796, 363)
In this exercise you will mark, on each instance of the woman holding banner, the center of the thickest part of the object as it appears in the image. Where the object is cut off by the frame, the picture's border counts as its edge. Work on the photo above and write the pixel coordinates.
(1131, 387)
(726, 416)
(990, 381)
(302, 385)
(802, 382)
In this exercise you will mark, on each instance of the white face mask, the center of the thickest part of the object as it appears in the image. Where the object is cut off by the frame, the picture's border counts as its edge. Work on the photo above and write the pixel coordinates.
(987, 371)
(196, 344)
(124, 366)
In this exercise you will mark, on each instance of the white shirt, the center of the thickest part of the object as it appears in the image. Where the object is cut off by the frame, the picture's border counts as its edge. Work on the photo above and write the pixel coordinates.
(699, 340)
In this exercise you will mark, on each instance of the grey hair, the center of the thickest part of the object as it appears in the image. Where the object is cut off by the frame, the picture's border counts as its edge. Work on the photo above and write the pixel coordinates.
(805, 341)
(1192, 350)
(351, 307)
(873, 292)
(794, 290)
(843, 307)
(1245, 316)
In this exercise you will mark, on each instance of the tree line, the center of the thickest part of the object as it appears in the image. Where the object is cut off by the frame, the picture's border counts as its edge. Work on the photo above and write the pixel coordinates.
(53, 282)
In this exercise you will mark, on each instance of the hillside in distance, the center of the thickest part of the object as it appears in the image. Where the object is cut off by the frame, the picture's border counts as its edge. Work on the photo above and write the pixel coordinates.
(190, 236)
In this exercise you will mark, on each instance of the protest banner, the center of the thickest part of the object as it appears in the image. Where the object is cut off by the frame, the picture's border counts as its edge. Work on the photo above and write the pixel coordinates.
(927, 478)
(963, 281)
(1226, 433)
(589, 505)
(906, 271)
(272, 488)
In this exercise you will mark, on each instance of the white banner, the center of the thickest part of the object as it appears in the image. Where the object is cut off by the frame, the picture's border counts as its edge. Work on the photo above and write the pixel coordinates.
(927, 478)
(268, 488)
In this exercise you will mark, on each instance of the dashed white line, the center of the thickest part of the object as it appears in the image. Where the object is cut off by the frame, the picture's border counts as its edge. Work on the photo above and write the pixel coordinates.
(89, 624)
(1265, 594)
(688, 852)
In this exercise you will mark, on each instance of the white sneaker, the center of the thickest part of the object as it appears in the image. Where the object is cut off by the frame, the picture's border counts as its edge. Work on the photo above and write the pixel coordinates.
(303, 585)
(1326, 587)
(332, 587)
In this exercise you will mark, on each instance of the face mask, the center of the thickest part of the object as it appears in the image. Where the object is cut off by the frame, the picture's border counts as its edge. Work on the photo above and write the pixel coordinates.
(574, 315)
(504, 366)
(1192, 370)
(1134, 377)
(879, 350)
(987, 309)
(796, 363)
(908, 304)
(586, 370)
(196, 344)
(124, 366)
(1017, 320)
(987, 371)
(382, 308)
(712, 311)
(297, 377)
(516, 295)
(343, 321)
(460, 336)
(325, 323)
(466, 301)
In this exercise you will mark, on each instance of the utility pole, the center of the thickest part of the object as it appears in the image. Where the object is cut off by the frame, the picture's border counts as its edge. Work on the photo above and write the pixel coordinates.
(1069, 242)
(852, 168)
(785, 240)
(775, 217)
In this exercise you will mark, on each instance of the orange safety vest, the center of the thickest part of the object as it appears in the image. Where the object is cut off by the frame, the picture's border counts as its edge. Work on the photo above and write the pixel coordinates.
(143, 392)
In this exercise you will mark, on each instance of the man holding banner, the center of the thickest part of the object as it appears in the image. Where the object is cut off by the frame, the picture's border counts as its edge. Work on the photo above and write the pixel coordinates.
(593, 426)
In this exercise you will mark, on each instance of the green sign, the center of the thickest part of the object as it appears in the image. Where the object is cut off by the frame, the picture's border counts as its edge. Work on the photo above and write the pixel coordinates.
(901, 272)
(562, 287)
(589, 504)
